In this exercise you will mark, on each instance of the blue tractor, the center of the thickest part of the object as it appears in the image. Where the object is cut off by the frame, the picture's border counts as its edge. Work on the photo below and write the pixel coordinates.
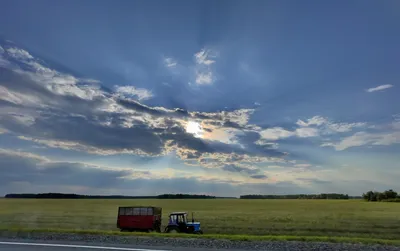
(178, 224)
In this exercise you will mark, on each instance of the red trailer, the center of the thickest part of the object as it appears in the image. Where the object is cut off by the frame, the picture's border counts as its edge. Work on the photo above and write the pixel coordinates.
(139, 219)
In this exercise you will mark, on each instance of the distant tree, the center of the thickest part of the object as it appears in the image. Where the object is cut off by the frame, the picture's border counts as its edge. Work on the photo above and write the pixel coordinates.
(380, 196)
(369, 196)
(387, 196)
(390, 194)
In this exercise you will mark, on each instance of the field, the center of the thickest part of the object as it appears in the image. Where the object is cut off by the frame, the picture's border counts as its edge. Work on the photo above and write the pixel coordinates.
(352, 218)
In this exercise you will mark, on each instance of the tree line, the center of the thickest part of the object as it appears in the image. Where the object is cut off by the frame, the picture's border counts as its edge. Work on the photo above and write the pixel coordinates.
(388, 196)
(80, 196)
(299, 196)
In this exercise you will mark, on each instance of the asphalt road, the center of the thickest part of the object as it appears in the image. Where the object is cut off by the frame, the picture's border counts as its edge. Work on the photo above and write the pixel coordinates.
(79, 246)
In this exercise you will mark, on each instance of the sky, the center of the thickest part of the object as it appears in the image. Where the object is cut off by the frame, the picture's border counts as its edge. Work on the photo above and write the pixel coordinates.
(208, 97)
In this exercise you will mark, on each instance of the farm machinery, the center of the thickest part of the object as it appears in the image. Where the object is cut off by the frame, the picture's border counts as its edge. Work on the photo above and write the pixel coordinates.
(148, 219)
(178, 223)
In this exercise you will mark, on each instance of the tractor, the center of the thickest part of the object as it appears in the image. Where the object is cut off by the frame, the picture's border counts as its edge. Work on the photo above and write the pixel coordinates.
(178, 224)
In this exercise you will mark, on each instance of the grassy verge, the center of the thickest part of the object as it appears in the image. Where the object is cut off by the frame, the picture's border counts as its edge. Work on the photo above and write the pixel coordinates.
(334, 239)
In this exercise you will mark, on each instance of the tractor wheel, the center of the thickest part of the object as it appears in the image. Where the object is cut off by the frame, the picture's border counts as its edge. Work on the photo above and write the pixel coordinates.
(198, 232)
(173, 230)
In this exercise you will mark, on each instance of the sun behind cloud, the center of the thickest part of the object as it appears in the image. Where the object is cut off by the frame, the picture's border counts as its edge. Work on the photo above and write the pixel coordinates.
(194, 128)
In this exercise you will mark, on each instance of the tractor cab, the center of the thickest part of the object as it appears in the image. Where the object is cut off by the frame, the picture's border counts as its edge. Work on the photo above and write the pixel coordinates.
(178, 223)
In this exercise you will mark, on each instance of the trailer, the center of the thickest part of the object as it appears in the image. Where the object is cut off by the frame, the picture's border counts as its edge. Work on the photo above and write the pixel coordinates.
(141, 218)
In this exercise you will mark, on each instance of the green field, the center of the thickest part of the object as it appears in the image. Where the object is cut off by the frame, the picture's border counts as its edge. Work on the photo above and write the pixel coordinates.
(351, 218)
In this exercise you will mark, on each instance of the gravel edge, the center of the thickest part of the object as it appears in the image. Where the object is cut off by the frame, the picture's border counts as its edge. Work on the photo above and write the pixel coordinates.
(195, 242)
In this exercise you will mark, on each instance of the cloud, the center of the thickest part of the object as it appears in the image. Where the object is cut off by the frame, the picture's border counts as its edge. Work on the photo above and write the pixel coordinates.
(19, 54)
(306, 132)
(277, 133)
(204, 78)
(170, 62)
(131, 91)
(203, 72)
(59, 110)
(326, 126)
(203, 57)
(22, 172)
(365, 139)
(316, 120)
(344, 127)
(302, 165)
(383, 135)
(236, 168)
(379, 88)
(27, 167)
(199, 72)
(316, 126)
(259, 176)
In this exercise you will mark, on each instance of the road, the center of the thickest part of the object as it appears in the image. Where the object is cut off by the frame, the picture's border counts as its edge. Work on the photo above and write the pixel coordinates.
(79, 246)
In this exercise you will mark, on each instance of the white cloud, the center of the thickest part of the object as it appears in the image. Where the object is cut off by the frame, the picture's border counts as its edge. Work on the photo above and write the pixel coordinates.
(312, 127)
(204, 57)
(327, 144)
(316, 120)
(170, 62)
(344, 127)
(379, 88)
(204, 74)
(128, 90)
(1, 50)
(276, 133)
(204, 78)
(54, 81)
(325, 126)
(306, 132)
(364, 138)
(19, 54)
(201, 72)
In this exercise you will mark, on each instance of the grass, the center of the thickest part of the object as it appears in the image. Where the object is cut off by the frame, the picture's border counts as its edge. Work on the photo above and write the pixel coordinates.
(333, 239)
(358, 221)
